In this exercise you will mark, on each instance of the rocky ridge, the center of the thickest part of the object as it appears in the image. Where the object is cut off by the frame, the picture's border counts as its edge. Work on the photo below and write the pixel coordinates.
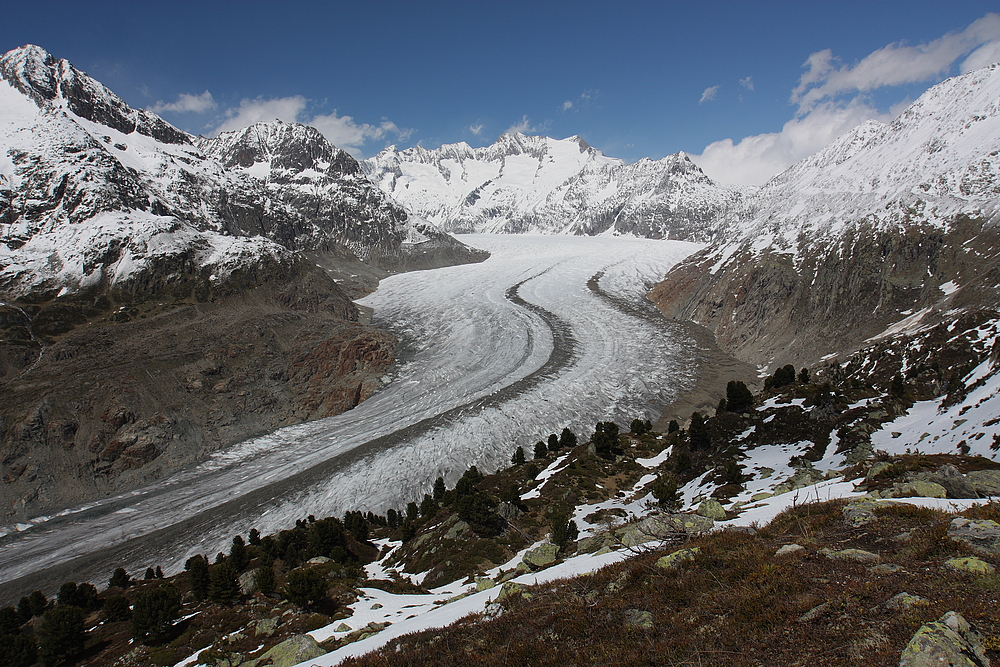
(892, 227)
(533, 184)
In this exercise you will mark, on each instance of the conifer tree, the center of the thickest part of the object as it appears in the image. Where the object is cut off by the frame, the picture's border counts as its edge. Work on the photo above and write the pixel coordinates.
(198, 576)
(541, 451)
(119, 578)
(154, 612)
(567, 439)
(439, 488)
(698, 433)
(238, 556)
(553, 443)
(518, 458)
(222, 586)
(264, 579)
(60, 634)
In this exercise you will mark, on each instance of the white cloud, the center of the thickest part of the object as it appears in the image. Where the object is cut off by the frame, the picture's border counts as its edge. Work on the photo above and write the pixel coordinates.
(186, 103)
(567, 105)
(753, 160)
(747, 83)
(341, 131)
(524, 126)
(259, 110)
(710, 94)
(892, 65)
(476, 129)
(832, 100)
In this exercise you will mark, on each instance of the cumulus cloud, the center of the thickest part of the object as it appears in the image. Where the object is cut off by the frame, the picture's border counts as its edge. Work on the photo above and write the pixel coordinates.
(832, 98)
(476, 129)
(259, 110)
(525, 126)
(584, 100)
(709, 94)
(747, 83)
(186, 104)
(341, 131)
(895, 64)
(753, 160)
(567, 105)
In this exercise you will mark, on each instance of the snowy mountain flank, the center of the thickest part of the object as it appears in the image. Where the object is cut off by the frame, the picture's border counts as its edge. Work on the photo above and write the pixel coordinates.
(523, 184)
(891, 228)
(163, 295)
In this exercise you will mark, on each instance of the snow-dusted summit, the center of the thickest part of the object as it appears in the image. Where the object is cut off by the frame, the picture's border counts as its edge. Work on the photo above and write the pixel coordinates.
(553, 186)
(884, 227)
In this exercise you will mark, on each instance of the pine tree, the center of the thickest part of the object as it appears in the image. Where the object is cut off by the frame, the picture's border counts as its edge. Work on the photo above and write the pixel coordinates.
(665, 491)
(518, 458)
(238, 556)
(154, 612)
(673, 426)
(804, 376)
(541, 451)
(198, 576)
(38, 603)
(222, 586)
(150, 574)
(698, 433)
(119, 578)
(60, 634)
(254, 537)
(739, 398)
(117, 608)
(567, 439)
(553, 443)
(428, 507)
(412, 511)
(564, 530)
(306, 587)
(439, 488)
(264, 579)
(605, 439)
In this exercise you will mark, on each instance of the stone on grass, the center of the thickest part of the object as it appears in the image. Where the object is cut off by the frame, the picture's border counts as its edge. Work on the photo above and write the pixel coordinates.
(541, 556)
(638, 618)
(904, 600)
(856, 555)
(916, 489)
(955, 483)
(859, 512)
(677, 558)
(814, 613)
(983, 535)
(885, 568)
(510, 589)
(292, 651)
(484, 583)
(661, 527)
(265, 626)
(712, 509)
(970, 564)
(789, 549)
(948, 642)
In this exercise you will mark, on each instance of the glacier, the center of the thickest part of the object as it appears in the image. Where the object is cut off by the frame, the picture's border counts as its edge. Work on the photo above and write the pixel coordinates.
(549, 332)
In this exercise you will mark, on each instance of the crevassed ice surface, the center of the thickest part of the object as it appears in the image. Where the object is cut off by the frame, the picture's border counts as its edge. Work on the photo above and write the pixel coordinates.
(494, 356)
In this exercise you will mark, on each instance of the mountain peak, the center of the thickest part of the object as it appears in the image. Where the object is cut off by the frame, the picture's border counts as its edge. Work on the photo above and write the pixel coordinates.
(46, 80)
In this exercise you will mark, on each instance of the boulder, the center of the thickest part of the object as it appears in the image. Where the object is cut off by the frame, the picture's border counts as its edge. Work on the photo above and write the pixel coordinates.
(248, 582)
(638, 618)
(856, 555)
(916, 489)
(508, 590)
(265, 627)
(661, 527)
(948, 642)
(814, 613)
(484, 583)
(343, 627)
(319, 560)
(985, 482)
(860, 511)
(677, 558)
(904, 600)
(456, 530)
(955, 483)
(541, 556)
(292, 651)
(970, 564)
(711, 509)
(789, 549)
(983, 535)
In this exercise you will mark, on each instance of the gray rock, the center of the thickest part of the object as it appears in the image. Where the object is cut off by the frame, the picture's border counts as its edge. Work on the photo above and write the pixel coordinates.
(292, 651)
(955, 483)
(677, 558)
(541, 556)
(711, 509)
(948, 642)
(904, 600)
(985, 482)
(814, 613)
(638, 618)
(661, 527)
(970, 564)
(265, 627)
(456, 530)
(856, 555)
(484, 583)
(860, 511)
(248, 582)
(789, 549)
(983, 535)
(885, 568)
(915, 489)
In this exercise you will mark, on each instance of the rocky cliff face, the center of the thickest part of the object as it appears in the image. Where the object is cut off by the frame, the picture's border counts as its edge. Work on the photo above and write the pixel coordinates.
(155, 299)
(891, 228)
(542, 185)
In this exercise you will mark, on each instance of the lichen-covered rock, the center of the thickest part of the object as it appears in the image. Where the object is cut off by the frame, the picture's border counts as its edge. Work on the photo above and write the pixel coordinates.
(916, 489)
(948, 642)
(904, 600)
(860, 511)
(856, 555)
(677, 558)
(510, 589)
(248, 582)
(661, 527)
(343, 627)
(970, 564)
(292, 651)
(983, 535)
(955, 483)
(712, 509)
(484, 583)
(541, 556)
(638, 618)
(985, 482)
(264, 627)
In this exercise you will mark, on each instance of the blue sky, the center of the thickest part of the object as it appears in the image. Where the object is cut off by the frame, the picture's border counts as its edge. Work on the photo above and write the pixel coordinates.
(778, 80)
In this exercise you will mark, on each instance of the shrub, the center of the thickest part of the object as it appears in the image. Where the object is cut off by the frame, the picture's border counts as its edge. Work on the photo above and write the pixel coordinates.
(18, 651)
(116, 608)
(665, 491)
(10, 623)
(119, 579)
(264, 579)
(222, 586)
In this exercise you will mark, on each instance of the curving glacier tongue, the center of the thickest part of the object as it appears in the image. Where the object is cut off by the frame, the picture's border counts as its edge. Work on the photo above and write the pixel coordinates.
(496, 355)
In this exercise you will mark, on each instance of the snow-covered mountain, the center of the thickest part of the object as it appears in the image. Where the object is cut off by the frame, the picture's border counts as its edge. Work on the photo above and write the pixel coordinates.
(95, 193)
(553, 186)
(886, 227)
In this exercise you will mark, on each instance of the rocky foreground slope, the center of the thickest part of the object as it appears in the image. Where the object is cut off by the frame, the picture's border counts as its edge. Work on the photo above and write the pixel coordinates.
(161, 295)
(523, 184)
(893, 226)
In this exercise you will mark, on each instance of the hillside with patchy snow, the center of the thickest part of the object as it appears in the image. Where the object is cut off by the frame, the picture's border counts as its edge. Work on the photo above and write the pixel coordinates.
(523, 184)
(891, 225)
